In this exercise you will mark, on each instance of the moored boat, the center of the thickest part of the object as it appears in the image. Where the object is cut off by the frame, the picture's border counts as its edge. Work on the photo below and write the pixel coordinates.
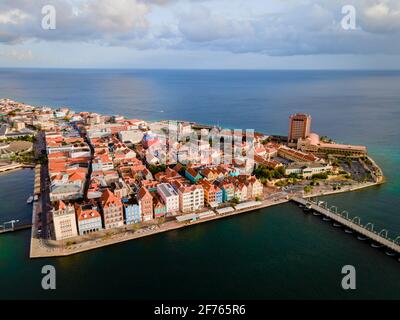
(30, 200)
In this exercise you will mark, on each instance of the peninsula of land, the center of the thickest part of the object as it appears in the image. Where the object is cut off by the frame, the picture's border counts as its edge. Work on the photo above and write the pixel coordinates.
(104, 179)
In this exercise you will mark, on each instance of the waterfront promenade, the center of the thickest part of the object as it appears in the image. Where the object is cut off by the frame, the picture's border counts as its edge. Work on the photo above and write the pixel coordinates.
(41, 248)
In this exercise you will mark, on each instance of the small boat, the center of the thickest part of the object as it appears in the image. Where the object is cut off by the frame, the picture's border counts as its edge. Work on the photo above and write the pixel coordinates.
(35, 197)
(337, 225)
(390, 253)
(315, 213)
(362, 238)
(348, 231)
(301, 206)
(326, 219)
(30, 200)
(376, 245)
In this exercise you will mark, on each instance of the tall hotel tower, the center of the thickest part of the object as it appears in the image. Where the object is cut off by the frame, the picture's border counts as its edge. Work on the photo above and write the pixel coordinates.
(299, 127)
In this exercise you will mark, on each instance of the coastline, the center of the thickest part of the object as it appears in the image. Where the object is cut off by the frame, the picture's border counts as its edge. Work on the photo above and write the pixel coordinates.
(38, 250)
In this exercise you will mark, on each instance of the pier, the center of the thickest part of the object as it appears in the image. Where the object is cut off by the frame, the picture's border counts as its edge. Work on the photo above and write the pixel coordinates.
(13, 225)
(354, 224)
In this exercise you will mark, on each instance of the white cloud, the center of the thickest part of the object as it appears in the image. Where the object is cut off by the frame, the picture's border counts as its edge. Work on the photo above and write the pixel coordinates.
(302, 27)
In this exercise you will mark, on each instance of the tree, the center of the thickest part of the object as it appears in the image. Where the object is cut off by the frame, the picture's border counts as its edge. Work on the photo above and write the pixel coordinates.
(308, 189)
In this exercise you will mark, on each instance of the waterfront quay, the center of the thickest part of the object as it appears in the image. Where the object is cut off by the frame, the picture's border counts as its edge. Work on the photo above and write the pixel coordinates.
(41, 248)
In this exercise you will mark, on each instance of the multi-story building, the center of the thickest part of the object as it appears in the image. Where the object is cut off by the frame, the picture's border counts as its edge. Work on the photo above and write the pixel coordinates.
(146, 204)
(307, 170)
(228, 190)
(299, 127)
(88, 218)
(213, 196)
(113, 215)
(191, 198)
(192, 175)
(64, 221)
(160, 209)
(314, 145)
(132, 211)
(169, 196)
(67, 186)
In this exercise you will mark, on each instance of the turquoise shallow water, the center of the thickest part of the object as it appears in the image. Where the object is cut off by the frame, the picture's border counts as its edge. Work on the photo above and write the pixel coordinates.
(272, 253)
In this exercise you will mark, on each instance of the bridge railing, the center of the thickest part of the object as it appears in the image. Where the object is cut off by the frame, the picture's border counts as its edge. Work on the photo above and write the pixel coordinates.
(384, 233)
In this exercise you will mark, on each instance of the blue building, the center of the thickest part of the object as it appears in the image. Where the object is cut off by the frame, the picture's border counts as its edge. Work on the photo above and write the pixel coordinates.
(192, 175)
(132, 211)
(219, 196)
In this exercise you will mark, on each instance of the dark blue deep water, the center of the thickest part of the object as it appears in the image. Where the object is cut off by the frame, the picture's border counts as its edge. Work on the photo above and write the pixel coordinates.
(273, 253)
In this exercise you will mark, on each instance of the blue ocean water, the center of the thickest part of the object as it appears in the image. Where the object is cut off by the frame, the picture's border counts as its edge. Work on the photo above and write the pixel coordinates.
(273, 253)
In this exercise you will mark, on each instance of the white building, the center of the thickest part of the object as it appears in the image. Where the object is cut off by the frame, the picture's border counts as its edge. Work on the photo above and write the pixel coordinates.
(132, 136)
(191, 198)
(64, 221)
(307, 170)
(169, 196)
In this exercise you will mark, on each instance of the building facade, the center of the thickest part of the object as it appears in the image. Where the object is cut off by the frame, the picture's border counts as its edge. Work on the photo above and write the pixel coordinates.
(113, 215)
(64, 221)
(299, 127)
(170, 197)
(88, 218)
(132, 211)
(146, 204)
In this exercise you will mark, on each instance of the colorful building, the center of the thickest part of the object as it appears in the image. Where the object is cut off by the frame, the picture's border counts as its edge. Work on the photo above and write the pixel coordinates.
(132, 211)
(228, 191)
(160, 209)
(213, 196)
(113, 215)
(88, 218)
(169, 196)
(192, 175)
(146, 204)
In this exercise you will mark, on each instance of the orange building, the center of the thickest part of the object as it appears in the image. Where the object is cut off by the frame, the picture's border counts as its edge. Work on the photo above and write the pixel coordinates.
(146, 204)
(113, 214)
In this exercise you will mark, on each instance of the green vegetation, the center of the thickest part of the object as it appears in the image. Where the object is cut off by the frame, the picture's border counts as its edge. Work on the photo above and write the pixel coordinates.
(267, 140)
(308, 189)
(263, 173)
(24, 138)
(322, 176)
(23, 157)
(154, 169)
(235, 200)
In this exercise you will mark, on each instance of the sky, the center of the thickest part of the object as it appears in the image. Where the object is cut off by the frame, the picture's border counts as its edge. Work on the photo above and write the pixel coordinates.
(202, 34)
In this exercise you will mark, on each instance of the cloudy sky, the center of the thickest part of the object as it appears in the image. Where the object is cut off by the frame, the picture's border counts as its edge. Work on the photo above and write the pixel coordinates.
(244, 34)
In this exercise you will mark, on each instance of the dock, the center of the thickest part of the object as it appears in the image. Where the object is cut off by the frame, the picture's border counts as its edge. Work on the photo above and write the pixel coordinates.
(15, 228)
(354, 224)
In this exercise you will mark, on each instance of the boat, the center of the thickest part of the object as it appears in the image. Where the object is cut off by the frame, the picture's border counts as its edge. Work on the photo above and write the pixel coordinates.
(35, 197)
(360, 237)
(30, 200)
(326, 219)
(315, 213)
(348, 231)
(337, 225)
(376, 245)
(390, 253)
